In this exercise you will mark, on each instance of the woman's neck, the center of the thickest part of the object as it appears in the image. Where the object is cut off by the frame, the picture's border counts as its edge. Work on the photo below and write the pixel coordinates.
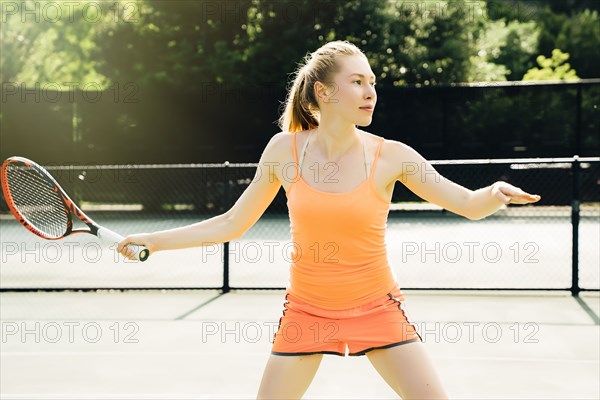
(333, 140)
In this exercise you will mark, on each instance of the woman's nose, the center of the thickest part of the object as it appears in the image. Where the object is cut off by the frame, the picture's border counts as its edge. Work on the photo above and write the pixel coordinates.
(370, 93)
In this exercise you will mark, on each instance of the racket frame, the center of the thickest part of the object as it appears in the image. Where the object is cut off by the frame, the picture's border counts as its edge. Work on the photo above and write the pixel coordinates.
(69, 207)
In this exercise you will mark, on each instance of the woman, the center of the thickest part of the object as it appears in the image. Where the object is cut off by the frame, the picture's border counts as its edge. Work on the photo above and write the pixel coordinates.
(342, 296)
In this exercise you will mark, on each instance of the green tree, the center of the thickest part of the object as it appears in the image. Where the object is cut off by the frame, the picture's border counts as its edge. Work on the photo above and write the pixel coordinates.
(571, 6)
(437, 42)
(55, 46)
(179, 44)
(407, 42)
(278, 35)
(571, 25)
(503, 50)
(580, 36)
(554, 68)
(249, 43)
(577, 33)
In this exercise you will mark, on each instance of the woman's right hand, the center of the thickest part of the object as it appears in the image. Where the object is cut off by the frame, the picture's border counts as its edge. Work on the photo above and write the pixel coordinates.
(509, 194)
(142, 239)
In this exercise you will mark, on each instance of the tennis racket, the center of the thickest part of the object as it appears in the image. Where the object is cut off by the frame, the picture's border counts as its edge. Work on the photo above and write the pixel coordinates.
(39, 203)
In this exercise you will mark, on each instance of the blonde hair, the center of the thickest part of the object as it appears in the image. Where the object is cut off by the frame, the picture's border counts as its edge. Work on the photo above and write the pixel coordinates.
(301, 110)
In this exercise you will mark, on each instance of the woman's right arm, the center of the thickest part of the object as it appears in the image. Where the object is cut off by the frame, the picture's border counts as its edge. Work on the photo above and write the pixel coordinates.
(231, 224)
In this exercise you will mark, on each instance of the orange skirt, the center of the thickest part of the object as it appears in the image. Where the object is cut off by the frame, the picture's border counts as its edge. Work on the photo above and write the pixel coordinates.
(305, 329)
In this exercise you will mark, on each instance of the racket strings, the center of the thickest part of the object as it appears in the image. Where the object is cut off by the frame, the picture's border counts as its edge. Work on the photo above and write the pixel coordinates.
(34, 197)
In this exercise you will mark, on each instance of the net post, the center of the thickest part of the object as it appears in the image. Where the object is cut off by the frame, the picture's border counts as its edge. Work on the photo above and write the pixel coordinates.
(226, 201)
(575, 172)
(578, 120)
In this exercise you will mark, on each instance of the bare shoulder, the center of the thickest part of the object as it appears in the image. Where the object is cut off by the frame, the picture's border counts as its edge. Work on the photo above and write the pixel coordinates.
(390, 149)
(280, 146)
(275, 150)
(278, 140)
(395, 148)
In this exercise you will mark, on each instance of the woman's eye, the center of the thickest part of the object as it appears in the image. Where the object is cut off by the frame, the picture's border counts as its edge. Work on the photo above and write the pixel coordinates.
(360, 82)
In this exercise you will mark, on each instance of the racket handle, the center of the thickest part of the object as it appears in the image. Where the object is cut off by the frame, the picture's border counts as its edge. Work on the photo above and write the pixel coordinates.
(141, 253)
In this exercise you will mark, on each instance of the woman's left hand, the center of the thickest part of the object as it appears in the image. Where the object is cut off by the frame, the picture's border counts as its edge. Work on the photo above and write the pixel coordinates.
(509, 194)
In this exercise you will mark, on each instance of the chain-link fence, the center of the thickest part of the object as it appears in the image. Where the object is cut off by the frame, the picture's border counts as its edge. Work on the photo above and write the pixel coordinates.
(552, 245)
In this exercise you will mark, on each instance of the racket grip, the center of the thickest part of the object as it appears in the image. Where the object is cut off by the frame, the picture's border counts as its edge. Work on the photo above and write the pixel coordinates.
(140, 253)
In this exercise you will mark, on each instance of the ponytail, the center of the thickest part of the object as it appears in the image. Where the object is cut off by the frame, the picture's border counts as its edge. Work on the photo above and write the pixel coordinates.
(301, 109)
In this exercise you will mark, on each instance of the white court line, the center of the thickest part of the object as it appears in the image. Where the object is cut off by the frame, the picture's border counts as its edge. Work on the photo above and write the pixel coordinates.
(197, 353)
(128, 396)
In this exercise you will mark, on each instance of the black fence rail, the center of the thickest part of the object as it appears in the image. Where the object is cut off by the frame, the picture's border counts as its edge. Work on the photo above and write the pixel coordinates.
(146, 197)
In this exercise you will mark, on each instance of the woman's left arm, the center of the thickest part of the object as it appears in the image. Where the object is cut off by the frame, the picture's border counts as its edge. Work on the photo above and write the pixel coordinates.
(418, 175)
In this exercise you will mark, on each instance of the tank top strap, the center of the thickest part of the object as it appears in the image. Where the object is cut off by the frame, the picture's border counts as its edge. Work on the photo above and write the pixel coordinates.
(295, 154)
(364, 146)
(298, 161)
(299, 165)
(376, 157)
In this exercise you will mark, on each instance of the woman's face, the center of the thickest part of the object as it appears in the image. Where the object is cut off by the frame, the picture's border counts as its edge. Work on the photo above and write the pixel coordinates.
(351, 94)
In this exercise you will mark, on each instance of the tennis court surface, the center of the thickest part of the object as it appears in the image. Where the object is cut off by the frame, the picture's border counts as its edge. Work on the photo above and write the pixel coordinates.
(203, 344)
(534, 342)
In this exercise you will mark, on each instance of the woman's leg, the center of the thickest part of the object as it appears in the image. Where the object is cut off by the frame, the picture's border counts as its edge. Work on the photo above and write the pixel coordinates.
(408, 369)
(288, 377)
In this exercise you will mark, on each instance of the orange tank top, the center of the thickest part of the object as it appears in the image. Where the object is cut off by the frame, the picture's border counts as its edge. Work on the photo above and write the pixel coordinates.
(339, 258)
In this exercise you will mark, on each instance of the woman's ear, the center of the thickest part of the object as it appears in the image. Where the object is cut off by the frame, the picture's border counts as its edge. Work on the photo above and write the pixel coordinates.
(320, 91)
(323, 92)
